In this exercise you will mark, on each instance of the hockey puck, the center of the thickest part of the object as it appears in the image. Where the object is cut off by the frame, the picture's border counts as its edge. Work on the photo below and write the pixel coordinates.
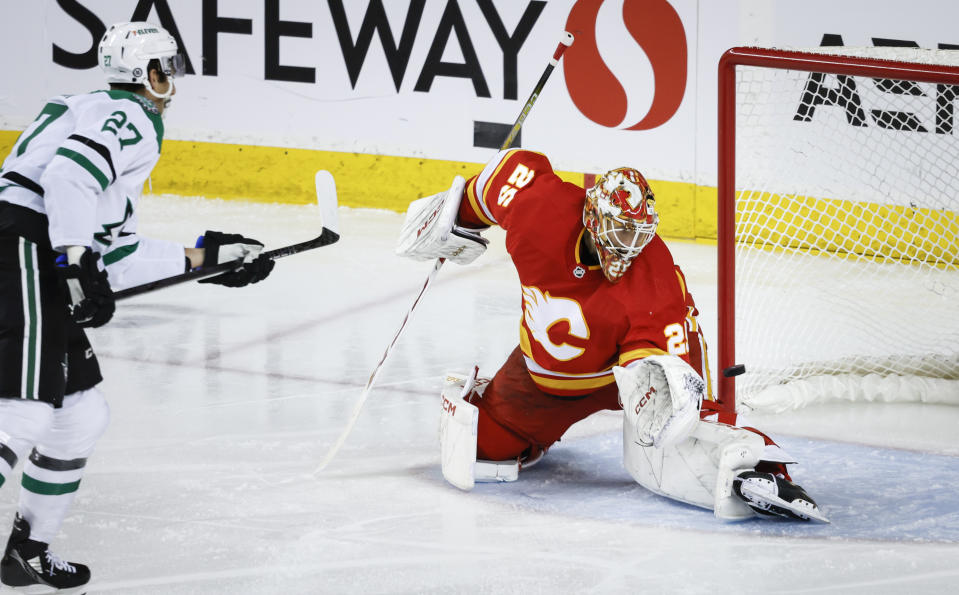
(732, 371)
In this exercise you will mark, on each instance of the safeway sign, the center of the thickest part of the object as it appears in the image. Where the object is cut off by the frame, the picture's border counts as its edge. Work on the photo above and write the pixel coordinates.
(420, 78)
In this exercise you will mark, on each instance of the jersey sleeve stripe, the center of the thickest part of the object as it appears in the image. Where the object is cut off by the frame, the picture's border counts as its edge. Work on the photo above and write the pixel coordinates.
(489, 172)
(636, 354)
(120, 253)
(704, 366)
(476, 205)
(87, 165)
(103, 151)
(24, 182)
(682, 281)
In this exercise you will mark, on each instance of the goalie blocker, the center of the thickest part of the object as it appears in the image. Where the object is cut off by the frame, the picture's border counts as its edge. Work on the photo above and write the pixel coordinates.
(430, 229)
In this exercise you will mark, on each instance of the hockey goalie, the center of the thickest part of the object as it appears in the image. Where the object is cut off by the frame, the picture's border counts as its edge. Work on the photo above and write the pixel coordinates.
(607, 324)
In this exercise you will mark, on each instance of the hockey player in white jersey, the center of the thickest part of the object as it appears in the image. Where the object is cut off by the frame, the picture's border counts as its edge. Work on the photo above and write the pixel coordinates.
(69, 189)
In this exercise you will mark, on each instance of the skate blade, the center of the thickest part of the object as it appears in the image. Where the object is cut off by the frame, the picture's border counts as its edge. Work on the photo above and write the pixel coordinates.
(813, 514)
(42, 590)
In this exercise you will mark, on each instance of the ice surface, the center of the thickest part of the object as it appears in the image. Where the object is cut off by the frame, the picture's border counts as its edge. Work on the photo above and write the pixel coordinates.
(225, 400)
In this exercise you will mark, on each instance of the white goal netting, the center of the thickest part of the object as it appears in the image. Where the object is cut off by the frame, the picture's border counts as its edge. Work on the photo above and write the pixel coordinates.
(846, 250)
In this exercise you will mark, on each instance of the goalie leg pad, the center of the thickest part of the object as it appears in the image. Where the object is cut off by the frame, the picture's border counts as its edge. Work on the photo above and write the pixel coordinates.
(459, 422)
(699, 470)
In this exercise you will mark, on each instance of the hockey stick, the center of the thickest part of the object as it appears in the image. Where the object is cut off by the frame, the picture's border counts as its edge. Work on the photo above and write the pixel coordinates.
(565, 42)
(325, 197)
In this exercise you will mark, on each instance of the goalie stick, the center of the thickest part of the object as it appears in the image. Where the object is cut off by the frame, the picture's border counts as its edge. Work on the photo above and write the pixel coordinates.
(565, 41)
(325, 198)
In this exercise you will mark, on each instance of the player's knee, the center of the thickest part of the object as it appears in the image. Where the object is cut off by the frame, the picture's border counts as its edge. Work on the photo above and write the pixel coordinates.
(497, 443)
(81, 421)
(24, 423)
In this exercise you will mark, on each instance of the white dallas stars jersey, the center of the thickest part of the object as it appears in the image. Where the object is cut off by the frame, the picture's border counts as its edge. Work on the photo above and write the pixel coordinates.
(83, 163)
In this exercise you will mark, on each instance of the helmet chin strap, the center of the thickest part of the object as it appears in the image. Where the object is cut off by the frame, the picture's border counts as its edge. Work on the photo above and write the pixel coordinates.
(149, 87)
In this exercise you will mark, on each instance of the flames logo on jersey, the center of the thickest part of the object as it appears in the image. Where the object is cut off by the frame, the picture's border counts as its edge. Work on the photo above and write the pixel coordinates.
(541, 311)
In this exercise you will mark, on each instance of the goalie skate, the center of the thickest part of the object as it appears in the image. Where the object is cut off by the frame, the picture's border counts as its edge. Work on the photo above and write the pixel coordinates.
(770, 495)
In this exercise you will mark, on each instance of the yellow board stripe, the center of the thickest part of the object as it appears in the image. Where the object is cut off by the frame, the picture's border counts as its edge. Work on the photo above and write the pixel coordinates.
(280, 175)
(846, 229)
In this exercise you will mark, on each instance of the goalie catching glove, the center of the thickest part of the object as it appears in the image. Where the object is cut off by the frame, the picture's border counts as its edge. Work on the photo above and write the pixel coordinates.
(661, 396)
(430, 229)
(91, 298)
(230, 247)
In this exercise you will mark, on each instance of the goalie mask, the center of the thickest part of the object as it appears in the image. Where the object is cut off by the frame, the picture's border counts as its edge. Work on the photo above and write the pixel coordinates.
(621, 219)
(126, 50)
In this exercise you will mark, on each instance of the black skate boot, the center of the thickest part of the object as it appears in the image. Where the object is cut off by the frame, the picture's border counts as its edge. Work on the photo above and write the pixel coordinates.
(769, 494)
(29, 566)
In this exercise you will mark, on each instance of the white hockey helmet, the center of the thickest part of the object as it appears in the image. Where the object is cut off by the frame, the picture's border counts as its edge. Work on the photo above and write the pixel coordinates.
(126, 50)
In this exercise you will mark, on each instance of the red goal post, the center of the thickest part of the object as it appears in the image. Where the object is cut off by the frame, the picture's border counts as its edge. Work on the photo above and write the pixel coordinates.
(819, 185)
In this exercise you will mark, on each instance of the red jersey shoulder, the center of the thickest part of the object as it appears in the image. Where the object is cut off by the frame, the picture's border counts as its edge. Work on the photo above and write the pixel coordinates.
(513, 175)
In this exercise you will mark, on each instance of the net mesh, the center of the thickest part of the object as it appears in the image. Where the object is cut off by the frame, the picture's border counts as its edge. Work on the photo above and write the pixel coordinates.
(847, 260)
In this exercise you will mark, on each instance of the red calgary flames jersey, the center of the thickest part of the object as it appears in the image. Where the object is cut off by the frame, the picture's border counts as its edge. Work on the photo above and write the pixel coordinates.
(576, 325)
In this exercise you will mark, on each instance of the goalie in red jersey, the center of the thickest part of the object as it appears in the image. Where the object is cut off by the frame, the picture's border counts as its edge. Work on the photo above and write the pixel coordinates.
(607, 323)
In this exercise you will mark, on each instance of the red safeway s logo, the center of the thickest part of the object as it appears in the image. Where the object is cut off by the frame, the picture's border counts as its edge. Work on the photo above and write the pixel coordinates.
(658, 30)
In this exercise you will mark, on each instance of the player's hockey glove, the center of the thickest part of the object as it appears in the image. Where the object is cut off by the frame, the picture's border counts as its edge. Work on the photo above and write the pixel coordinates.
(230, 247)
(91, 298)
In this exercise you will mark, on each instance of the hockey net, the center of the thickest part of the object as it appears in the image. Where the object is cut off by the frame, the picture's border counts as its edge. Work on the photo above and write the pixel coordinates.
(838, 223)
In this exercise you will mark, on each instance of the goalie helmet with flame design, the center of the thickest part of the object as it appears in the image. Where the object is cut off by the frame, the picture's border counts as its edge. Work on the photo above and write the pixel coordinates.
(621, 219)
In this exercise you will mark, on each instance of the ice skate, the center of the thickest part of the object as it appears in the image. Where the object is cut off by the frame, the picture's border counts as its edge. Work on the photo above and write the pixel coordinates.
(28, 566)
(771, 495)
